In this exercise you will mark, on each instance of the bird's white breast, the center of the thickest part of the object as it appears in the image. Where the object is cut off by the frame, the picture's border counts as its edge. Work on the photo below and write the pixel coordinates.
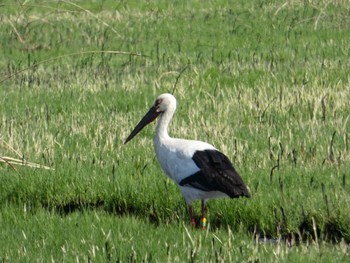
(175, 156)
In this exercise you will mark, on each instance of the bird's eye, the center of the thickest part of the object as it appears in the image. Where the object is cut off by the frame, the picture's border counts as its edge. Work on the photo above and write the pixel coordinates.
(158, 102)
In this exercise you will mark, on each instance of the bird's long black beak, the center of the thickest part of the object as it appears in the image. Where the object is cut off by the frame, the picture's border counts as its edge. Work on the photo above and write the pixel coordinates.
(150, 116)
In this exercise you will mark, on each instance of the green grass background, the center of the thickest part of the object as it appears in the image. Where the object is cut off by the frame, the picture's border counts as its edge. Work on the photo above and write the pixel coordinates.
(266, 82)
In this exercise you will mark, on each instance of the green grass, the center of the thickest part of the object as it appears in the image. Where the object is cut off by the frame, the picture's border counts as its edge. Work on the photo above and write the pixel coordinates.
(99, 237)
(265, 82)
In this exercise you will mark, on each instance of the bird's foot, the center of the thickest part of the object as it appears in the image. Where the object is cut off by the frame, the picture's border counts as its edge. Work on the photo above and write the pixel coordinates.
(204, 223)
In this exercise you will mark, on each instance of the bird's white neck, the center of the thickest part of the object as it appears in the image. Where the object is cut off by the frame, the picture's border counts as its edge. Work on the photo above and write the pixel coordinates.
(163, 124)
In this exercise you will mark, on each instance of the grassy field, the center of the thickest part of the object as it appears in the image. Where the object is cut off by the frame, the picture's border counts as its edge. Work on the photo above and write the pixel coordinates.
(266, 82)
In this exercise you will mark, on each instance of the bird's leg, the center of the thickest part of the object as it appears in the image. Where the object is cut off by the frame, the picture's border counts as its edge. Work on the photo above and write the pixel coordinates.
(193, 221)
(203, 220)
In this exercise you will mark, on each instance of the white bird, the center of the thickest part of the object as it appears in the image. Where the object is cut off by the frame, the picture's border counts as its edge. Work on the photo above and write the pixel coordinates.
(198, 168)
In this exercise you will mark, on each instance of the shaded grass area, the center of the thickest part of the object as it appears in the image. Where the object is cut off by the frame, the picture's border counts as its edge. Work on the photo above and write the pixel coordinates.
(96, 236)
(267, 83)
(275, 210)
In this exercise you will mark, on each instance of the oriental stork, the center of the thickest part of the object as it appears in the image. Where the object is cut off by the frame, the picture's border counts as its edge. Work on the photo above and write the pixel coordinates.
(198, 168)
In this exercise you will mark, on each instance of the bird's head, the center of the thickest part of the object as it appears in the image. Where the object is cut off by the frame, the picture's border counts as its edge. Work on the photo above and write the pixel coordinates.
(165, 102)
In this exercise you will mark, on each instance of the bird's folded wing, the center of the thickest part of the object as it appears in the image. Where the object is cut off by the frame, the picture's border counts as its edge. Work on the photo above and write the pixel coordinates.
(197, 181)
(216, 174)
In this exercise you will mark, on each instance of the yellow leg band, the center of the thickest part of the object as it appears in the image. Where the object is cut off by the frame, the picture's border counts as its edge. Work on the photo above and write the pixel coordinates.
(204, 222)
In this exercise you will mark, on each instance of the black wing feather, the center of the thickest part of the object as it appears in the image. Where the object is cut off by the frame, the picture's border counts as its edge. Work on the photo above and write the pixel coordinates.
(197, 181)
(217, 174)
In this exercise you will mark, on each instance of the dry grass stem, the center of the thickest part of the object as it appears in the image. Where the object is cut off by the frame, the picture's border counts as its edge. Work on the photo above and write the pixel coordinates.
(18, 161)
